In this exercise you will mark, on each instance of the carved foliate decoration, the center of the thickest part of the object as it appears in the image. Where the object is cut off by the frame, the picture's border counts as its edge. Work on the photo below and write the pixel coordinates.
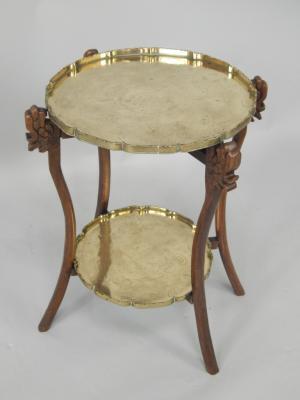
(42, 133)
(262, 91)
(221, 162)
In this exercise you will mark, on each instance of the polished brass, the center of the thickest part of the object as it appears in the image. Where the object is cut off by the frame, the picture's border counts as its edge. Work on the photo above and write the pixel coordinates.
(139, 256)
(151, 100)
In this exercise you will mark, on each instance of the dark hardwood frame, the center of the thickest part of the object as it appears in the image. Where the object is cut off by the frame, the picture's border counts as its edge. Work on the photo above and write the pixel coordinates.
(220, 161)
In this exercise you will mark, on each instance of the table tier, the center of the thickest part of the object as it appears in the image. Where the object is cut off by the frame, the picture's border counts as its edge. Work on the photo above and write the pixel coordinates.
(151, 100)
(139, 256)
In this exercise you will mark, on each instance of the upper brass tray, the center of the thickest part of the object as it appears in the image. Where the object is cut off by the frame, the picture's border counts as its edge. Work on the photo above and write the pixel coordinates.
(139, 256)
(151, 100)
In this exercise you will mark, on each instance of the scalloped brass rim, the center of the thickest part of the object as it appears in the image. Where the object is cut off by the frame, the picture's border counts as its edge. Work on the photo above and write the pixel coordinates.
(145, 54)
(141, 210)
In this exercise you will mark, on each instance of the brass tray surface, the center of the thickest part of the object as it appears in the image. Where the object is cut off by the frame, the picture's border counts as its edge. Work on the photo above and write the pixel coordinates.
(139, 256)
(151, 100)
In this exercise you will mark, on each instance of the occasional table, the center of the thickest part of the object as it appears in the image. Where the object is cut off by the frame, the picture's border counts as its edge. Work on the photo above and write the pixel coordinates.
(148, 100)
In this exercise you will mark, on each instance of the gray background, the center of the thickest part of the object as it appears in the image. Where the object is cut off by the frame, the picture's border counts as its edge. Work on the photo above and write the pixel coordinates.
(99, 350)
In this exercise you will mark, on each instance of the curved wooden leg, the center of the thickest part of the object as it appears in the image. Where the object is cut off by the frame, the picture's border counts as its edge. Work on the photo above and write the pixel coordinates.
(44, 135)
(220, 161)
(104, 181)
(198, 256)
(70, 237)
(220, 222)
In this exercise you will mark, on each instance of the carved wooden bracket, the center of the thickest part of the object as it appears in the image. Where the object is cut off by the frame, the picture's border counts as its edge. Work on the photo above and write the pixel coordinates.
(262, 90)
(221, 162)
(42, 132)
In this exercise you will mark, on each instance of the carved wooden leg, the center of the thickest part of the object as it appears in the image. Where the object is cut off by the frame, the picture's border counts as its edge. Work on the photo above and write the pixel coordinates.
(104, 181)
(70, 238)
(44, 135)
(221, 161)
(262, 91)
(223, 245)
(198, 256)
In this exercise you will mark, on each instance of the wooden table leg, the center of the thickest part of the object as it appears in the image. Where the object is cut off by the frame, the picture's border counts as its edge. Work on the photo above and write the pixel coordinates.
(45, 136)
(220, 217)
(221, 161)
(198, 290)
(104, 181)
(221, 234)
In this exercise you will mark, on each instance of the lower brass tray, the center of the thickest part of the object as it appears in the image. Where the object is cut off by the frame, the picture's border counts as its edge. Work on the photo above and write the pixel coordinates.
(139, 256)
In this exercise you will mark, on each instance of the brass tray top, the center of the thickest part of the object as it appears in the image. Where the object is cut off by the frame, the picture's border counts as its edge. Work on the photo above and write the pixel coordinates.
(151, 100)
(139, 256)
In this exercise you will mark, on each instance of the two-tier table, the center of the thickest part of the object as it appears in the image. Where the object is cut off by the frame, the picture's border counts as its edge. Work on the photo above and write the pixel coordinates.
(148, 100)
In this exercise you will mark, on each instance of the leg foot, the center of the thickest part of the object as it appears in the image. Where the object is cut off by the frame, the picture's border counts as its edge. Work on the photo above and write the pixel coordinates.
(55, 302)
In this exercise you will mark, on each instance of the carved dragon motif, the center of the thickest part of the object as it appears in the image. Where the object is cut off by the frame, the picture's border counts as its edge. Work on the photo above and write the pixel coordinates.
(42, 132)
(262, 90)
(221, 162)
(90, 52)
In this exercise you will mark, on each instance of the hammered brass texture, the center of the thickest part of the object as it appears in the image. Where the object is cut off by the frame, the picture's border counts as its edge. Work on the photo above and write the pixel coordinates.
(139, 256)
(151, 100)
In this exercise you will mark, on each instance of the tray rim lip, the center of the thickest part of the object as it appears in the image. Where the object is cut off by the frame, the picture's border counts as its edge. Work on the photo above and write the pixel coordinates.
(139, 53)
(143, 210)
